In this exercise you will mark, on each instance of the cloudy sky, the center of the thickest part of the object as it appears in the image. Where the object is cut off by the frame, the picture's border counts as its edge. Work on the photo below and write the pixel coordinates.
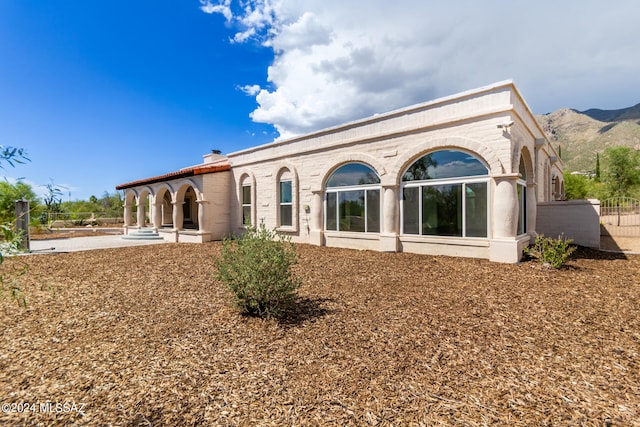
(101, 93)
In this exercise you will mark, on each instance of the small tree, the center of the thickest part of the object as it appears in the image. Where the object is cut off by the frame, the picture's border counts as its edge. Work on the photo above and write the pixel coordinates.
(623, 170)
(256, 267)
(9, 238)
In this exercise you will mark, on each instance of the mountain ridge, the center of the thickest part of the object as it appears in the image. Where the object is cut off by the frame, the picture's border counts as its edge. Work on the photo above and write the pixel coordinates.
(580, 135)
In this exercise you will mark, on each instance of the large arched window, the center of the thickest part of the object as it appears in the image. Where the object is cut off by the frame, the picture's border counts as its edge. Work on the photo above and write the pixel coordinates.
(353, 199)
(445, 193)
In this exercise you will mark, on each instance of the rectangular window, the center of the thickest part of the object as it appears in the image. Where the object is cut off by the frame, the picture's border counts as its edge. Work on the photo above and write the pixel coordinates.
(442, 210)
(246, 205)
(286, 205)
(373, 211)
(352, 211)
(332, 214)
(476, 209)
(411, 210)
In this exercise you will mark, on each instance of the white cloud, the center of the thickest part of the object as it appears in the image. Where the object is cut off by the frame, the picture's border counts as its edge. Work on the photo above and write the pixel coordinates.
(251, 90)
(337, 61)
(222, 8)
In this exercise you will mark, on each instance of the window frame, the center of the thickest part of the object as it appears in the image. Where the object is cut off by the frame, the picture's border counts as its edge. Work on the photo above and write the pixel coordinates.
(351, 188)
(365, 188)
(462, 181)
(246, 183)
(521, 194)
(281, 203)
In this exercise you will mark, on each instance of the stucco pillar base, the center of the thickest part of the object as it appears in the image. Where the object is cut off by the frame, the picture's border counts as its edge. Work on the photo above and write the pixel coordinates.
(388, 242)
(504, 250)
(316, 237)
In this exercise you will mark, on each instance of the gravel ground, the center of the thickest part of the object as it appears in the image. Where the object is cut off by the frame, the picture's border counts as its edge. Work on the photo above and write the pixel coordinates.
(145, 336)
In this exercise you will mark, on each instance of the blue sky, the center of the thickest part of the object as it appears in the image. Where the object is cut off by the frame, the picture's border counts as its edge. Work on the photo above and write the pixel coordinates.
(102, 93)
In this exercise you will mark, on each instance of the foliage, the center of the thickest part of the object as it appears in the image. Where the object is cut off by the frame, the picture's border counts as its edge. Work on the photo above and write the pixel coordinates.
(623, 170)
(109, 204)
(9, 283)
(9, 193)
(576, 186)
(11, 238)
(53, 199)
(12, 155)
(549, 251)
(256, 267)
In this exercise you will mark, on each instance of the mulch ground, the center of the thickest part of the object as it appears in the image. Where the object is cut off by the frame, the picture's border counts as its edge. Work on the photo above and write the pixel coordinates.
(145, 336)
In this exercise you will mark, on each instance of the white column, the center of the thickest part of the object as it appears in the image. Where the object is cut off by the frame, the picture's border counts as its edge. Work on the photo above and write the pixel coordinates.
(178, 215)
(141, 212)
(127, 214)
(157, 213)
(316, 235)
(202, 217)
(390, 219)
(504, 246)
(505, 206)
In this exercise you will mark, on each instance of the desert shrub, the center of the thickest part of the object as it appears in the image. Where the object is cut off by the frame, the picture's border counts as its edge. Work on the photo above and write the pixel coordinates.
(549, 251)
(10, 285)
(256, 267)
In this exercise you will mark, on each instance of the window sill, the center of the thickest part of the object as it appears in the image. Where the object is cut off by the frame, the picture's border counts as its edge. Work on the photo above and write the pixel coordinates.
(352, 235)
(446, 240)
(287, 229)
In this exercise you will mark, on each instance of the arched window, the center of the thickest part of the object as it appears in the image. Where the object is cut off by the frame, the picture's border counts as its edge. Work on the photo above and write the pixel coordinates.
(246, 197)
(285, 199)
(445, 193)
(353, 199)
(522, 197)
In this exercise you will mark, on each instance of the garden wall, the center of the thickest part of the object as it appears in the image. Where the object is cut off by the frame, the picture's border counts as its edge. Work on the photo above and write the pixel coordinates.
(578, 220)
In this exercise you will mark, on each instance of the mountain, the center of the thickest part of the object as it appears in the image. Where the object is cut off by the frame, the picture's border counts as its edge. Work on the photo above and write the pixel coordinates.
(582, 134)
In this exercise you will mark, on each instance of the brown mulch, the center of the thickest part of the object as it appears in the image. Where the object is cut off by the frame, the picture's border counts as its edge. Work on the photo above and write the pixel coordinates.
(144, 336)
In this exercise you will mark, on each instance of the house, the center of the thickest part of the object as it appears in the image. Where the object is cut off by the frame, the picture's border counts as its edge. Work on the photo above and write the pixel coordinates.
(460, 175)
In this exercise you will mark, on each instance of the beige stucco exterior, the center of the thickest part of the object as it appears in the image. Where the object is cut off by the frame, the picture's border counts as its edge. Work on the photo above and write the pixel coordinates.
(493, 124)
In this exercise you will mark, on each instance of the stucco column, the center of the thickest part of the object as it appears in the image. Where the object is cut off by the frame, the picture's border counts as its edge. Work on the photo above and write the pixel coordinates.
(178, 215)
(504, 246)
(202, 216)
(316, 235)
(141, 212)
(127, 214)
(505, 206)
(157, 213)
(390, 219)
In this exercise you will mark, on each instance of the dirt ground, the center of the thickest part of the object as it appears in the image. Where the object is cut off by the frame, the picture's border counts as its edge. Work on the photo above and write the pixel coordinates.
(66, 233)
(620, 244)
(145, 336)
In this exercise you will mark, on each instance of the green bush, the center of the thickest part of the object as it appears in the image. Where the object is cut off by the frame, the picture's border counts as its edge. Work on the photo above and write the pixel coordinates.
(256, 267)
(549, 251)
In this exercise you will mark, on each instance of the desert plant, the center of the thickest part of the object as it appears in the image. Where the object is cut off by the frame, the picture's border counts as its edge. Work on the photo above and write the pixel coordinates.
(256, 267)
(551, 252)
(9, 277)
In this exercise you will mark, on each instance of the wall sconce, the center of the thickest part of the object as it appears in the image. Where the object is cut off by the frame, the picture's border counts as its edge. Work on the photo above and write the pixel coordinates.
(506, 125)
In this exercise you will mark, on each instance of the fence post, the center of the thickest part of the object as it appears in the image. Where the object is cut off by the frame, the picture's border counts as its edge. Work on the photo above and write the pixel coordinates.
(22, 223)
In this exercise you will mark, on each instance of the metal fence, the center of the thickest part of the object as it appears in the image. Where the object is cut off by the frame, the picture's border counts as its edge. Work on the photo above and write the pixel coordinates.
(620, 216)
(80, 219)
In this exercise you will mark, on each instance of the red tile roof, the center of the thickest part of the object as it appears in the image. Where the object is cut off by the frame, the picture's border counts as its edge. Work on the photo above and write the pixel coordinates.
(182, 173)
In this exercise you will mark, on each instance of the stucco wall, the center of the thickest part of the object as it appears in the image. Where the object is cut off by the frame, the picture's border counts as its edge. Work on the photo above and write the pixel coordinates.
(389, 144)
(578, 220)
